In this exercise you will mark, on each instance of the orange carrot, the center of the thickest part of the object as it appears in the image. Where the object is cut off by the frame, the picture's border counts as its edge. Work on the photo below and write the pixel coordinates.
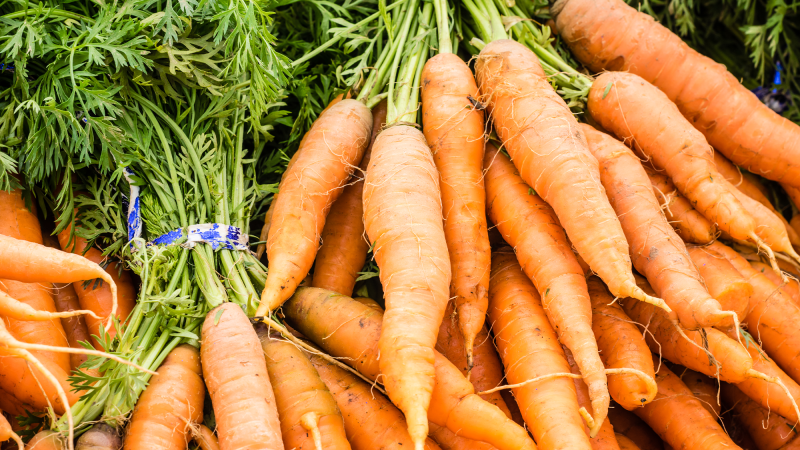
(335, 143)
(769, 431)
(531, 227)
(634, 428)
(238, 383)
(99, 437)
(307, 410)
(204, 438)
(171, 404)
(410, 249)
(551, 153)
(344, 247)
(7, 433)
(46, 440)
(455, 133)
(529, 349)
(690, 225)
(679, 417)
(704, 388)
(370, 419)
(19, 221)
(790, 287)
(449, 440)
(733, 120)
(724, 282)
(625, 443)
(621, 345)
(656, 250)
(350, 330)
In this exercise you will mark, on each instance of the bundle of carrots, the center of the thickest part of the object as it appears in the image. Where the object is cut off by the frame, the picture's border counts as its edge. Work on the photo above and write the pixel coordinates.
(620, 278)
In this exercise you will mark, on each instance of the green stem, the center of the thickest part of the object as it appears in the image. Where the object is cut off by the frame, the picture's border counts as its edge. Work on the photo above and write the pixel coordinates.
(443, 26)
(410, 16)
(51, 12)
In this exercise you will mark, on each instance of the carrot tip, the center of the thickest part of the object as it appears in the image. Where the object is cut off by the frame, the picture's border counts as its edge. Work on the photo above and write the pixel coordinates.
(593, 428)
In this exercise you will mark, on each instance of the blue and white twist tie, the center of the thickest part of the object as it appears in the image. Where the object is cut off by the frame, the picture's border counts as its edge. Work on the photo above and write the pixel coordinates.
(134, 208)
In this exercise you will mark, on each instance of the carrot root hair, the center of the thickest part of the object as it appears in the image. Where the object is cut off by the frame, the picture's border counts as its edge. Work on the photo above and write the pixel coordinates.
(762, 376)
(770, 254)
(652, 387)
(309, 422)
(532, 380)
(18, 440)
(107, 278)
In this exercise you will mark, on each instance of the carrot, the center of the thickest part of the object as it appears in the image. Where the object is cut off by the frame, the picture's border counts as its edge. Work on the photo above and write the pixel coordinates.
(625, 443)
(790, 287)
(7, 433)
(454, 130)
(531, 227)
(732, 119)
(204, 438)
(656, 250)
(13, 406)
(46, 440)
(679, 417)
(99, 437)
(307, 411)
(769, 431)
(704, 388)
(690, 225)
(449, 440)
(335, 143)
(529, 349)
(410, 249)
(551, 153)
(172, 402)
(350, 330)
(344, 247)
(621, 345)
(20, 222)
(238, 383)
(370, 420)
(634, 428)
(724, 282)
(487, 369)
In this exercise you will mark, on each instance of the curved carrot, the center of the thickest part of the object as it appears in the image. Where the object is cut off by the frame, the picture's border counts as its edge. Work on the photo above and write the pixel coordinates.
(7, 433)
(769, 431)
(344, 245)
(238, 383)
(690, 225)
(724, 282)
(455, 133)
(656, 250)
(204, 438)
(790, 287)
(621, 345)
(350, 330)
(99, 437)
(733, 119)
(634, 428)
(531, 227)
(704, 388)
(411, 252)
(551, 153)
(335, 143)
(370, 419)
(625, 443)
(307, 410)
(529, 349)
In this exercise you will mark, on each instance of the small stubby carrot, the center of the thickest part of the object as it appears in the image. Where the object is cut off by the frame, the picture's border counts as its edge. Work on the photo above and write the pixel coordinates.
(769, 431)
(679, 417)
(531, 227)
(344, 247)
(204, 438)
(6, 433)
(656, 250)
(690, 225)
(723, 281)
(790, 287)
(625, 443)
(621, 345)
(454, 129)
(235, 373)
(335, 144)
(403, 220)
(703, 387)
(529, 349)
(370, 420)
(170, 405)
(307, 411)
(99, 437)
(351, 330)
(631, 426)
(550, 151)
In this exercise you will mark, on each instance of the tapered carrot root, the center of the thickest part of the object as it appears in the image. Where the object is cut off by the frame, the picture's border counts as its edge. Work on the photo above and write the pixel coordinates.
(171, 404)
(529, 349)
(724, 282)
(690, 225)
(411, 251)
(454, 130)
(769, 431)
(7, 433)
(621, 345)
(531, 227)
(350, 330)
(307, 410)
(15, 309)
(238, 383)
(550, 151)
(656, 250)
(344, 247)
(634, 428)
(335, 144)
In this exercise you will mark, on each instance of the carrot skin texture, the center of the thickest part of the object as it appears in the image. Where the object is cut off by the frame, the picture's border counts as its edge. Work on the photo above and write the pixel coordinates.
(690, 225)
(634, 428)
(236, 375)
(454, 131)
(529, 348)
(704, 388)
(621, 345)
(769, 431)
(411, 251)
(334, 145)
(448, 440)
(791, 288)
(344, 246)
(724, 282)
(656, 250)
(172, 402)
(731, 117)
(299, 392)
(350, 330)
(531, 227)
(550, 151)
